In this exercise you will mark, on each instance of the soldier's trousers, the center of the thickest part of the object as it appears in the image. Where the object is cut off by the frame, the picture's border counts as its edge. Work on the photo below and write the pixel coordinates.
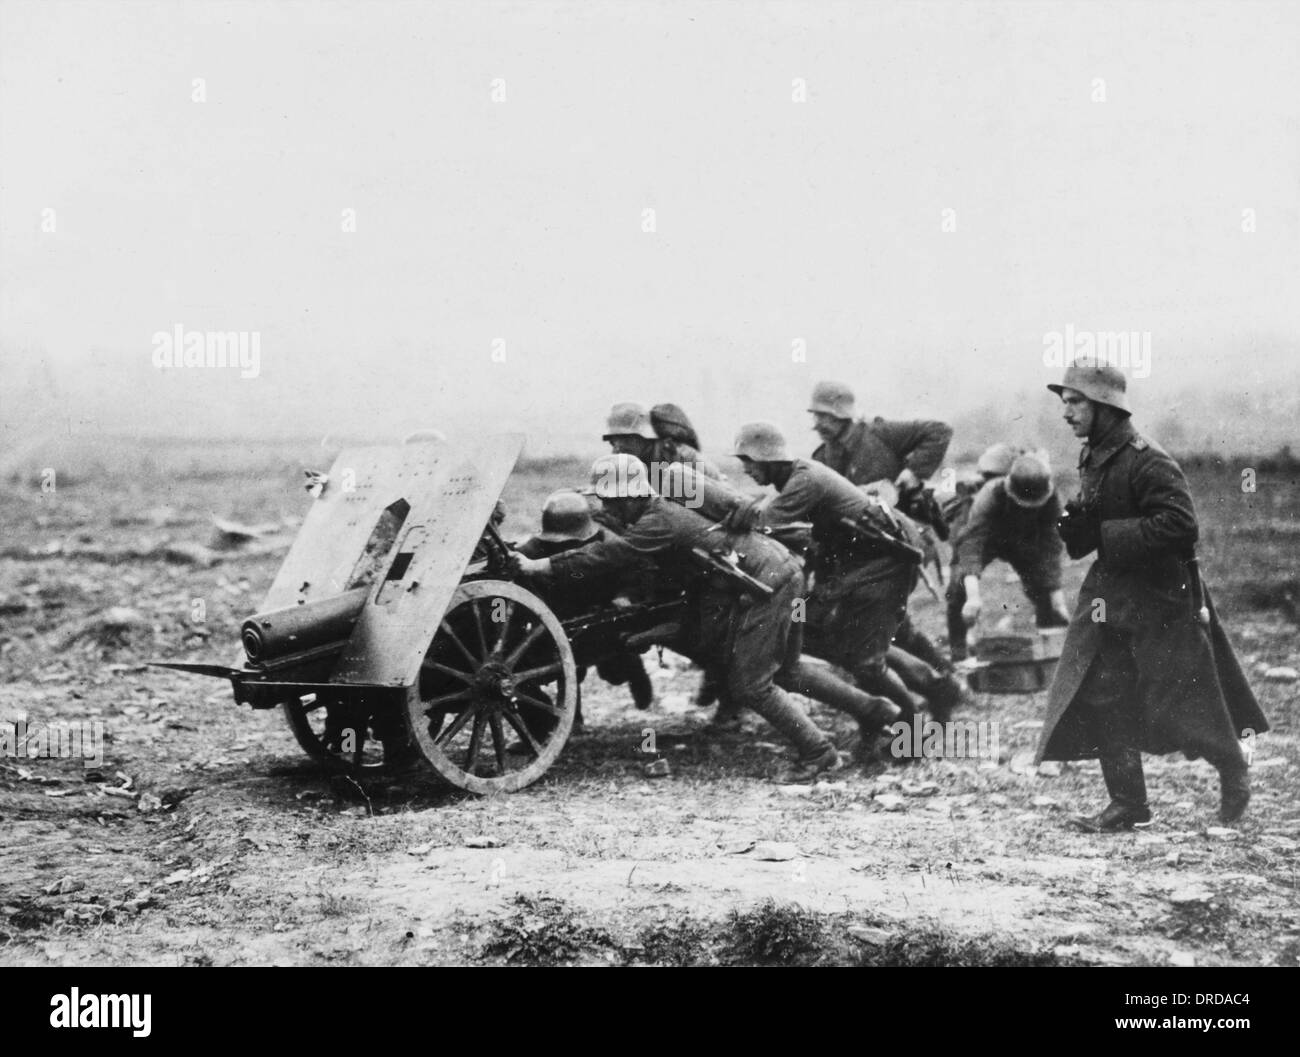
(853, 617)
(748, 645)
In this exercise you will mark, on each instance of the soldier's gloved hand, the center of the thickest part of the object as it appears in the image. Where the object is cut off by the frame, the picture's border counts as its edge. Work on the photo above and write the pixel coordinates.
(744, 517)
(621, 602)
(1080, 529)
(970, 610)
(533, 566)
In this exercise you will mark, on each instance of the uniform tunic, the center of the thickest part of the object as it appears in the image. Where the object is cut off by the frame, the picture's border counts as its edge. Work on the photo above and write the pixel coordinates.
(868, 452)
(1177, 682)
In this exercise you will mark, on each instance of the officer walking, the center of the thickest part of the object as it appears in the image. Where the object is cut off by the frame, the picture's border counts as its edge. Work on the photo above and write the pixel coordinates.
(1146, 666)
(1012, 518)
(747, 640)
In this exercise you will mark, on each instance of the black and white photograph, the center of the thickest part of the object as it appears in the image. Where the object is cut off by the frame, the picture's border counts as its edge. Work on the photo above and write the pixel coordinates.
(582, 483)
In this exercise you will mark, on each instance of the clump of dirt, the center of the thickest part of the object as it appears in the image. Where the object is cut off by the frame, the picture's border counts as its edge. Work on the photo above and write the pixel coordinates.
(546, 931)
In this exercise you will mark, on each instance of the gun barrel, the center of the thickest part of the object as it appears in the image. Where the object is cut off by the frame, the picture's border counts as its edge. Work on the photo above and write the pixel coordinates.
(752, 586)
(294, 629)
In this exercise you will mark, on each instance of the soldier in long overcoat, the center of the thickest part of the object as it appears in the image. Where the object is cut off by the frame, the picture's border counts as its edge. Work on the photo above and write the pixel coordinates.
(1146, 665)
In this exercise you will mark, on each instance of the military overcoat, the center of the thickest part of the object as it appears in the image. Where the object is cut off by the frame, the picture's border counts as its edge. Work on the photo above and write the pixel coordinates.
(1190, 693)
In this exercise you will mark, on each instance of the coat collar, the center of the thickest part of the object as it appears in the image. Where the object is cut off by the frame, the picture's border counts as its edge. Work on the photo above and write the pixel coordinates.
(1099, 453)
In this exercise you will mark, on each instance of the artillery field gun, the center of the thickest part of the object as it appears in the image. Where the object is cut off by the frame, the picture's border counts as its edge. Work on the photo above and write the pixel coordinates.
(395, 632)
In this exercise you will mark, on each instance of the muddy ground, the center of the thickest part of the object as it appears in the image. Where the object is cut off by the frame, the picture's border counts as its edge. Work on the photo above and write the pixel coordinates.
(206, 836)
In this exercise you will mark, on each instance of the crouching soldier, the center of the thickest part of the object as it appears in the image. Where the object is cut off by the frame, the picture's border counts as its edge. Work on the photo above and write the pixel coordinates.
(746, 638)
(1146, 666)
(566, 524)
(865, 565)
(1012, 518)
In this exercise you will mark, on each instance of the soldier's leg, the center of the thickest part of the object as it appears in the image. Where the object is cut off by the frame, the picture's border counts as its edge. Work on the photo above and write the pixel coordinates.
(628, 668)
(801, 676)
(759, 642)
(1043, 593)
(956, 598)
(1109, 692)
(920, 645)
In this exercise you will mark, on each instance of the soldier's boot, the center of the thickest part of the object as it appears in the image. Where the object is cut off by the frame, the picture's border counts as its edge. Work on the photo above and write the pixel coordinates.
(708, 691)
(942, 691)
(1234, 791)
(885, 682)
(638, 681)
(1122, 771)
(870, 710)
(922, 647)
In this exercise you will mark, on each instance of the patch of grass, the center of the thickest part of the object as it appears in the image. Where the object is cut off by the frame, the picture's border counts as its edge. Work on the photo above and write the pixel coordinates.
(935, 947)
(774, 934)
(546, 931)
(685, 943)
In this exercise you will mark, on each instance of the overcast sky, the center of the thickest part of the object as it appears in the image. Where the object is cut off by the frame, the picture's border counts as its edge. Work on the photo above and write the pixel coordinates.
(1099, 162)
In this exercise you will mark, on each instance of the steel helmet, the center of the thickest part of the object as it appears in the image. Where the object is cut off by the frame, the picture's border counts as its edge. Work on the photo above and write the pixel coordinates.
(762, 442)
(565, 517)
(997, 459)
(832, 398)
(629, 419)
(1098, 381)
(670, 422)
(620, 477)
(1029, 484)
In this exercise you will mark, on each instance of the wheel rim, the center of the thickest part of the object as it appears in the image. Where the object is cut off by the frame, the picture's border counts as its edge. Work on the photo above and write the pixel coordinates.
(498, 671)
(341, 737)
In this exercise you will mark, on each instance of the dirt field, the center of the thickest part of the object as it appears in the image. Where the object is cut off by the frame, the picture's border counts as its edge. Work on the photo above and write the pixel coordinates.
(205, 836)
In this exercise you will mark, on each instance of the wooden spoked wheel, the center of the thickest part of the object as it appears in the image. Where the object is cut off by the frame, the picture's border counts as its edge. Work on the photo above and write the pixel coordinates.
(347, 737)
(497, 691)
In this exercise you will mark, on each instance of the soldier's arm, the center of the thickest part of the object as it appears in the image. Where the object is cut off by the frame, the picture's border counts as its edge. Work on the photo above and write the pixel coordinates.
(793, 503)
(1166, 521)
(968, 550)
(921, 445)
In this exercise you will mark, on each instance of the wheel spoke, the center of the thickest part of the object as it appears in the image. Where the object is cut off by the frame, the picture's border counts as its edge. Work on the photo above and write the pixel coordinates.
(539, 674)
(474, 662)
(478, 624)
(454, 727)
(537, 702)
(475, 742)
(512, 658)
(521, 728)
(455, 673)
(505, 627)
(498, 740)
(443, 700)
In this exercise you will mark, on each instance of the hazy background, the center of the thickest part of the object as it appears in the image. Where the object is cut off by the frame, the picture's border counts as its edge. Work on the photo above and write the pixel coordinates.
(522, 220)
